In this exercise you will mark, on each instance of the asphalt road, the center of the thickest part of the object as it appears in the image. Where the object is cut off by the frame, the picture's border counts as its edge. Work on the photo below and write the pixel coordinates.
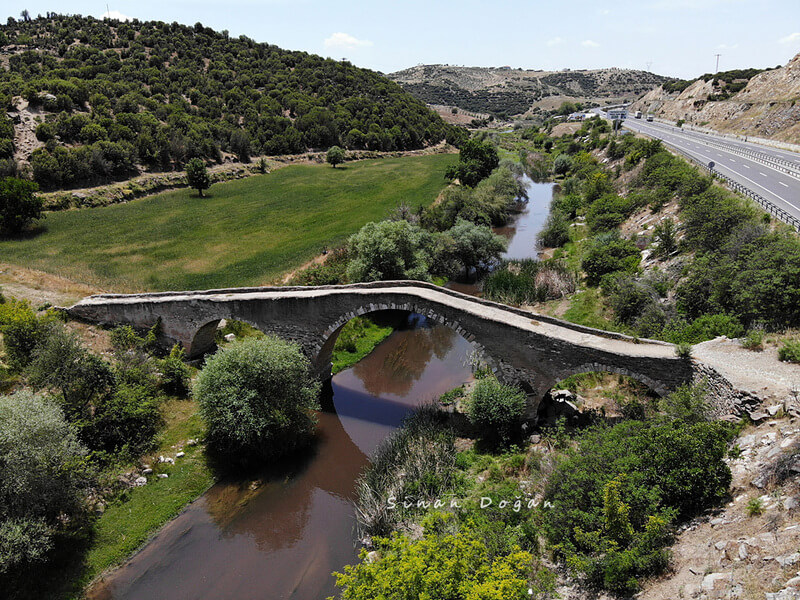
(773, 174)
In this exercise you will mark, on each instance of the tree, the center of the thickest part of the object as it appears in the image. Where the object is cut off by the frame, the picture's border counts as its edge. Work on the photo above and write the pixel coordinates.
(197, 175)
(610, 254)
(43, 474)
(335, 156)
(473, 246)
(389, 250)
(665, 235)
(256, 397)
(19, 204)
(496, 410)
(562, 164)
(477, 159)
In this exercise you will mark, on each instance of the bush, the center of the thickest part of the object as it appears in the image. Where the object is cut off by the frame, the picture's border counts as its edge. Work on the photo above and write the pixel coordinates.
(175, 373)
(790, 351)
(615, 497)
(754, 340)
(43, 475)
(467, 247)
(555, 231)
(687, 403)
(562, 164)
(256, 397)
(19, 204)
(448, 563)
(496, 410)
(22, 331)
(610, 254)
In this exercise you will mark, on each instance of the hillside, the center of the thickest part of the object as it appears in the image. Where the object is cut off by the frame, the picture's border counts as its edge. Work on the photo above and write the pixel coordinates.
(751, 102)
(516, 91)
(90, 101)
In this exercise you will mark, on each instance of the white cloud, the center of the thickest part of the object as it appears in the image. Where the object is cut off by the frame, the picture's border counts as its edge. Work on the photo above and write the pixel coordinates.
(115, 14)
(554, 41)
(727, 46)
(345, 41)
(590, 44)
(792, 38)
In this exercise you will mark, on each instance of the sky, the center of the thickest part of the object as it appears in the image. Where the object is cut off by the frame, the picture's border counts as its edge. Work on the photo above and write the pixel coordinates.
(678, 38)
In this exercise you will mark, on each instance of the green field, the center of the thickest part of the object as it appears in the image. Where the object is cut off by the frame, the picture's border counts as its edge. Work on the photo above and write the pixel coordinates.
(246, 232)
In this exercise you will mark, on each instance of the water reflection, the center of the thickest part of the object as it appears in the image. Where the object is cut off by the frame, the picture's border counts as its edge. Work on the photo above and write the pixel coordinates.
(283, 539)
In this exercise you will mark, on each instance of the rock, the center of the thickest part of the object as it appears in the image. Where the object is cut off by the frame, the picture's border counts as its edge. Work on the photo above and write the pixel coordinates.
(773, 410)
(743, 554)
(140, 481)
(371, 557)
(794, 582)
(788, 560)
(562, 395)
(147, 471)
(180, 455)
(192, 442)
(747, 441)
(718, 546)
(166, 459)
(757, 415)
(787, 442)
(791, 503)
(229, 337)
(223, 323)
(535, 438)
(162, 475)
(769, 438)
(715, 581)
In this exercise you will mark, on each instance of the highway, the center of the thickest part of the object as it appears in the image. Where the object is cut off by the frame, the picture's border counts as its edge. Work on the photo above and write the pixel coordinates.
(771, 173)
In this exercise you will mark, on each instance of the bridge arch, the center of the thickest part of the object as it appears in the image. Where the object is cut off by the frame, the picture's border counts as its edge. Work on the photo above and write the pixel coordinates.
(654, 385)
(322, 352)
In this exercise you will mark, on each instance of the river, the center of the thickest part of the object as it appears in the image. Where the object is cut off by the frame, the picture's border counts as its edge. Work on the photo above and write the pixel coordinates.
(282, 539)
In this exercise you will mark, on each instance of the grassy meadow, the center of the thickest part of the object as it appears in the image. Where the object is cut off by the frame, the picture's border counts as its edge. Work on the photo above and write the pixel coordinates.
(245, 232)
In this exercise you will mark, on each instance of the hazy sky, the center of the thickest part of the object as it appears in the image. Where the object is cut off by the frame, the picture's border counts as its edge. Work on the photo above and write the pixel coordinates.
(672, 37)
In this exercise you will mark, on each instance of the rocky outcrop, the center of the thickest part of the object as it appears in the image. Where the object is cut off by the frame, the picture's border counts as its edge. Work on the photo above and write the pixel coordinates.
(767, 107)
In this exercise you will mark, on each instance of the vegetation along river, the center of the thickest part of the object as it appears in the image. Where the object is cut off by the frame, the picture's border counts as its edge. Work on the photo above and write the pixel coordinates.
(282, 535)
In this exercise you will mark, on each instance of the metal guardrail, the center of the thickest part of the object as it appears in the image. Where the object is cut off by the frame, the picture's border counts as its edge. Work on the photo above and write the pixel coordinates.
(775, 211)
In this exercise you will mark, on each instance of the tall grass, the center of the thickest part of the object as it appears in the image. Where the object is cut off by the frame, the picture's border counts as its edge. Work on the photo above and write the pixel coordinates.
(528, 281)
(416, 463)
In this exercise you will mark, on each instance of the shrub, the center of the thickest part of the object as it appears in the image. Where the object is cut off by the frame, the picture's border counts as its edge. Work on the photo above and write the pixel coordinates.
(609, 254)
(496, 410)
(43, 476)
(555, 231)
(615, 496)
(755, 507)
(19, 204)
(683, 350)
(562, 164)
(790, 351)
(754, 340)
(448, 562)
(22, 331)
(687, 403)
(175, 373)
(528, 281)
(256, 397)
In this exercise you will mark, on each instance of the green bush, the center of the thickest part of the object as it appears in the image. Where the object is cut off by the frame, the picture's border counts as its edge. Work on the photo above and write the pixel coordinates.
(754, 340)
(790, 351)
(687, 403)
(22, 331)
(496, 410)
(615, 496)
(610, 254)
(19, 204)
(555, 231)
(43, 477)
(477, 159)
(256, 397)
(446, 563)
(389, 250)
(175, 373)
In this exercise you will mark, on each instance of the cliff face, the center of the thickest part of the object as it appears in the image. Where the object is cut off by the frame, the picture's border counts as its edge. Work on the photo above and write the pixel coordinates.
(768, 106)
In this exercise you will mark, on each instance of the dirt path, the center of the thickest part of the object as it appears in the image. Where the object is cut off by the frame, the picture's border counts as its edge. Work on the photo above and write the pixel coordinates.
(41, 288)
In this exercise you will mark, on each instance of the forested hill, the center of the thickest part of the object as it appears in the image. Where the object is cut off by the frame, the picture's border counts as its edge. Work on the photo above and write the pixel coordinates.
(92, 100)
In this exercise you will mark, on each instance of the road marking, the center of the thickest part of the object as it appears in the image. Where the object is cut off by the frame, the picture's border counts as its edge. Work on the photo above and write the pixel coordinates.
(731, 160)
(744, 165)
(764, 174)
(783, 184)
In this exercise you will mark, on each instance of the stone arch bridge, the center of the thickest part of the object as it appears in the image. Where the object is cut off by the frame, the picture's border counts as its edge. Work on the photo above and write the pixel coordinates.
(533, 350)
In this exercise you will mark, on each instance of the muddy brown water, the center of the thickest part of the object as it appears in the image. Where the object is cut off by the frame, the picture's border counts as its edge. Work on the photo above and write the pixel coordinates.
(283, 539)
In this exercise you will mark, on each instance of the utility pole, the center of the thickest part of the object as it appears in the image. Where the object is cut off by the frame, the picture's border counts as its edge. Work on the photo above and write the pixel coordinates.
(649, 64)
(717, 55)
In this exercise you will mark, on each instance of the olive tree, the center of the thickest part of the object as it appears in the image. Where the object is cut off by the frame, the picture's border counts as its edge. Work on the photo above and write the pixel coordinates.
(256, 397)
(43, 474)
(335, 156)
(197, 175)
(19, 204)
